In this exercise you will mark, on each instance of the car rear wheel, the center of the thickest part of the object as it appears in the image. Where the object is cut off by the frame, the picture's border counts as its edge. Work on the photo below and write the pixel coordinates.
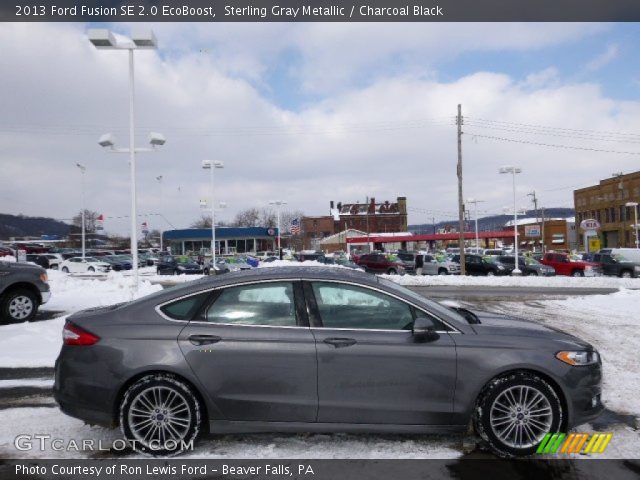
(443, 271)
(515, 412)
(160, 415)
(18, 306)
(65, 269)
(491, 273)
(577, 273)
(91, 269)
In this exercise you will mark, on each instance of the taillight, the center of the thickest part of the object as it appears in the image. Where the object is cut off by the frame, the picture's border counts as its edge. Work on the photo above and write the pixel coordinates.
(74, 335)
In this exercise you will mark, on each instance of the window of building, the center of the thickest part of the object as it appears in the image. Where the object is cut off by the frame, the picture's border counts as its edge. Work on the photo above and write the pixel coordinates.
(613, 214)
(606, 216)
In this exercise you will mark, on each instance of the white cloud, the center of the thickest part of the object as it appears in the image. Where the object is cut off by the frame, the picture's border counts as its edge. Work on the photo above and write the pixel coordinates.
(604, 59)
(395, 136)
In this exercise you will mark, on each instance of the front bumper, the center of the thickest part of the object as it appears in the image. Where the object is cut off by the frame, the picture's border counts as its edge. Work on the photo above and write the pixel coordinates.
(46, 296)
(584, 395)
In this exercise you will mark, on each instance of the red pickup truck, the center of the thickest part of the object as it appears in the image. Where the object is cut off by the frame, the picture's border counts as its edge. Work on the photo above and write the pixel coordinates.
(564, 265)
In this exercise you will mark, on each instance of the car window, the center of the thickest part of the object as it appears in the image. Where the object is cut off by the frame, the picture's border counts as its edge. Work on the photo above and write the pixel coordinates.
(270, 304)
(185, 308)
(348, 306)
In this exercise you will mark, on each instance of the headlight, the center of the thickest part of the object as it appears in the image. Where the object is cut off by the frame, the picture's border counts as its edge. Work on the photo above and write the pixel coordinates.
(637, 268)
(180, 267)
(500, 267)
(578, 359)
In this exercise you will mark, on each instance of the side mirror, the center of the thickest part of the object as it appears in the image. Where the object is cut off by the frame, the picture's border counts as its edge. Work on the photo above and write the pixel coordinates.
(424, 329)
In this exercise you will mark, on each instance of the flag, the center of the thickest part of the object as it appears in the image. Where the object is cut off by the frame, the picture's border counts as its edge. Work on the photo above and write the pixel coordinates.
(295, 227)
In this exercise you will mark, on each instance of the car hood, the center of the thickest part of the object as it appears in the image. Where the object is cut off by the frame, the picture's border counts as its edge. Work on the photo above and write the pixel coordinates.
(495, 324)
(25, 266)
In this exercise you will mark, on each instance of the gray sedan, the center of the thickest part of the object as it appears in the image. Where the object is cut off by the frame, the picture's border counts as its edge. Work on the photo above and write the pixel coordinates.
(319, 350)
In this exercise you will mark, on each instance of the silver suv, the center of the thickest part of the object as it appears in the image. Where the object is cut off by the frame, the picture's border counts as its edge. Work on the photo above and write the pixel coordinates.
(433, 266)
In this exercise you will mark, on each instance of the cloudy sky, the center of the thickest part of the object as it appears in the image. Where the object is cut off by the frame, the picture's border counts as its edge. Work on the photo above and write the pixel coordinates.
(309, 113)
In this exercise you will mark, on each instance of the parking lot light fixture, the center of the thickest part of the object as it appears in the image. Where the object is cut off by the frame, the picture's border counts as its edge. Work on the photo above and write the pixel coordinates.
(513, 171)
(83, 170)
(211, 165)
(635, 223)
(104, 39)
(278, 204)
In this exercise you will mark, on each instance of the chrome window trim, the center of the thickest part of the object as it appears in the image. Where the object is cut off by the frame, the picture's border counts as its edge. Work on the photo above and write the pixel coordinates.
(273, 280)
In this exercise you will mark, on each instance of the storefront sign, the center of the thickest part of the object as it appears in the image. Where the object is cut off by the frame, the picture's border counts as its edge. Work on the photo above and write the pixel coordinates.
(532, 231)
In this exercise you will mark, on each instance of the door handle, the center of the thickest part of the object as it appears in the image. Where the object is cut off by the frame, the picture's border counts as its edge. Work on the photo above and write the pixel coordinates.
(340, 342)
(204, 339)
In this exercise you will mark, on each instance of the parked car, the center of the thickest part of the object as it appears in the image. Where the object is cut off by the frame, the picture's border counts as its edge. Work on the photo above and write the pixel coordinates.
(483, 265)
(631, 254)
(408, 260)
(84, 265)
(563, 264)
(23, 288)
(380, 263)
(617, 265)
(178, 265)
(118, 262)
(441, 265)
(528, 266)
(343, 351)
(308, 256)
(7, 252)
(38, 259)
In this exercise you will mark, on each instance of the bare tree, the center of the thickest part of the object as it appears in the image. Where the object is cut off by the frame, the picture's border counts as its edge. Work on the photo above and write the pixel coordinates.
(203, 222)
(90, 220)
(249, 217)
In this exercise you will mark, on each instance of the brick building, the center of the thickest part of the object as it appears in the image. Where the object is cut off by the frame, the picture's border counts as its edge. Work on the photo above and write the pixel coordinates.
(372, 217)
(606, 202)
(559, 234)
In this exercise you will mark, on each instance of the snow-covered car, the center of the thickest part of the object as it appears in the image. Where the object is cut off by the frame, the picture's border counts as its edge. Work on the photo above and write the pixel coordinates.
(84, 265)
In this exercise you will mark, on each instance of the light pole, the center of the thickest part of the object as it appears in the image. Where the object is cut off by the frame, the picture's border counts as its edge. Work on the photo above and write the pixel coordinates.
(159, 179)
(83, 169)
(475, 213)
(635, 216)
(513, 171)
(278, 204)
(211, 165)
(104, 39)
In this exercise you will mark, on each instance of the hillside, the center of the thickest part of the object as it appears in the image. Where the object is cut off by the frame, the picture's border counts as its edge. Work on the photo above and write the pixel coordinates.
(22, 226)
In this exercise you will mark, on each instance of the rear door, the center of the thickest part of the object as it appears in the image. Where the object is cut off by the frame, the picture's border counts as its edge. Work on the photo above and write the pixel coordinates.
(252, 349)
(371, 369)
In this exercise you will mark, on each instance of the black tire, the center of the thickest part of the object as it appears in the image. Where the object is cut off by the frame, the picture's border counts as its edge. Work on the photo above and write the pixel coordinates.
(577, 273)
(489, 408)
(392, 271)
(18, 306)
(533, 273)
(186, 424)
(65, 269)
(91, 269)
(443, 271)
(626, 274)
(54, 266)
(491, 273)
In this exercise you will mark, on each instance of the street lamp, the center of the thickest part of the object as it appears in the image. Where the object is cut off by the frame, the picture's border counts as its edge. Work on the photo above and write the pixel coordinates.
(513, 171)
(159, 179)
(475, 213)
(83, 169)
(211, 165)
(278, 204)
(104, 39)
(635, 224)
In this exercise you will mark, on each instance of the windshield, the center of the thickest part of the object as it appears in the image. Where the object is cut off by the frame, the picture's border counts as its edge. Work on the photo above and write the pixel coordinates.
(531, 261)
(92, 259)
(619, 258)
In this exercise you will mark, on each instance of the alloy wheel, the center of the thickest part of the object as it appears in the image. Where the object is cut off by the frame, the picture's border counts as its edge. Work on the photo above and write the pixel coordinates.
(20, 307)
(521, 416)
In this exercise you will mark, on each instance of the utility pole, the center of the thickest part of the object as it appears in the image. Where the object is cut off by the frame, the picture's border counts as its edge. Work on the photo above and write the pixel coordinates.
(544, 245)
(535, 206)
(459, 121)
(367, 219)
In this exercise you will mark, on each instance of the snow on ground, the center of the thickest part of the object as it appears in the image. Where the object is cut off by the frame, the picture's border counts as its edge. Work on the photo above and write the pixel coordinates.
(508, 281)
(33, 344)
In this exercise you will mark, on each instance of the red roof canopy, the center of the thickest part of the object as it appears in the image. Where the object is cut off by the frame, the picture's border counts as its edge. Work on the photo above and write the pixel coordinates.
(431, 237)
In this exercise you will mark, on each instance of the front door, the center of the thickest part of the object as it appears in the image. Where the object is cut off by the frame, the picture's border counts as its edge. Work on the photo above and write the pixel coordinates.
(371, 369)
(254, 353)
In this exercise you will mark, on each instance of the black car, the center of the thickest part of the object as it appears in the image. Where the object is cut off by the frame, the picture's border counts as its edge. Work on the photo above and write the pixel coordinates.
(617, 265)
(528, 266)
(178, 265)
(484, 265)
(117, 262)
(314, 349)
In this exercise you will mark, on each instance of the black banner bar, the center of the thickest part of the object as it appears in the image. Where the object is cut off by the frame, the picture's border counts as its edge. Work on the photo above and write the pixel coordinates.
(321, 11)
(192, 469)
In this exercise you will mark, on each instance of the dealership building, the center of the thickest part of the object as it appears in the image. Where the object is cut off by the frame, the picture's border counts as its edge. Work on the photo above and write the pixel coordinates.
(229, 240)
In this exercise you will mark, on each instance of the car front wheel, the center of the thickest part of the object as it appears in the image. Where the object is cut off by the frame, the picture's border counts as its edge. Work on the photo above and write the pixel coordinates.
(515, 412)
(18, 306)
(577, 273)
(65, 269)
(160, 415)
(391, 271)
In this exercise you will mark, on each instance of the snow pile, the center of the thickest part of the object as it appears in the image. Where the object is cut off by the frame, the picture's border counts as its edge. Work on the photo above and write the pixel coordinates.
(508, 281)
(8, 259)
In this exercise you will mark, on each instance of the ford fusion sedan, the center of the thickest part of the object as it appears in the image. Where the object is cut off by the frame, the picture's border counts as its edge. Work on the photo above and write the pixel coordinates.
(294, 349)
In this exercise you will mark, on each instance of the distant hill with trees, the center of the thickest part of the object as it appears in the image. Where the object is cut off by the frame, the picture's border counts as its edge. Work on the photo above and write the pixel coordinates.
(23, 226)
(494, 222)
